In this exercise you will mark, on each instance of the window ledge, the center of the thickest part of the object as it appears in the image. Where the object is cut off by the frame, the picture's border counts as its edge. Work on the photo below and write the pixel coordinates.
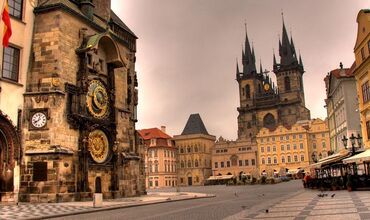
(11, 81)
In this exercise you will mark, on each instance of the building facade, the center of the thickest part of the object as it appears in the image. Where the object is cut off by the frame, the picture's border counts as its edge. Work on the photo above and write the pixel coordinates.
(235, 158)
(287, 149)
(195, 152)
(362, 72)
(14, 62)
(262, 104)
(80, 103)
(342, 108)
(160, 158)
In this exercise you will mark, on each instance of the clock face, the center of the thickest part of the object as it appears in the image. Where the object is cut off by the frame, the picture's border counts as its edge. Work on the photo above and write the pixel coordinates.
(97, 100)
(98, 146)
(266, 86)
(39, 119)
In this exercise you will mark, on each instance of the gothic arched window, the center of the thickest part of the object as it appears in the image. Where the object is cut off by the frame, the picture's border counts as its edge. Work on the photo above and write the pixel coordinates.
(269, 121)
(189, 163)
(287, 83)
(247, 91)
(196, 163)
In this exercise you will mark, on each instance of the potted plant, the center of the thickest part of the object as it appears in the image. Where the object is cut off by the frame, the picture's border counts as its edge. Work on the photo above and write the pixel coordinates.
(349, 183)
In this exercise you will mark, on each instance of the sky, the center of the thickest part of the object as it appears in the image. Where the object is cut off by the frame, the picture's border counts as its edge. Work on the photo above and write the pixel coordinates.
(187, 52)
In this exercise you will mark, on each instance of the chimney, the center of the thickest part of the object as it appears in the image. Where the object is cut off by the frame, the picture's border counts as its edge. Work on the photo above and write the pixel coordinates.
(163, 129)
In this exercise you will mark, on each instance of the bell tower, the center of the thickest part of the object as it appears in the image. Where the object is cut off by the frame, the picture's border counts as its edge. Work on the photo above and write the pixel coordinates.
(289, 77)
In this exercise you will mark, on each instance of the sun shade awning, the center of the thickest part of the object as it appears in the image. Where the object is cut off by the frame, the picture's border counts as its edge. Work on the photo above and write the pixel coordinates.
(359, 158)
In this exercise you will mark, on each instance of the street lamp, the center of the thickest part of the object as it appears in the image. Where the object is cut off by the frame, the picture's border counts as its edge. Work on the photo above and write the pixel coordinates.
(353, 142)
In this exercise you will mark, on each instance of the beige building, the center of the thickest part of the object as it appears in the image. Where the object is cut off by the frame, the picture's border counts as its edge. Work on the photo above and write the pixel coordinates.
(237, 158)
(160, 158)
(289, 149)
(14, 62)
(362, 72)
(79, 119)
(342, 108)
(195, 150)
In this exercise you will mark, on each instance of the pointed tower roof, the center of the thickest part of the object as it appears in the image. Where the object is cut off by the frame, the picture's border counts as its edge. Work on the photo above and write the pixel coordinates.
(249, 63)
(261, 71)
(286, 48)
(194, 125)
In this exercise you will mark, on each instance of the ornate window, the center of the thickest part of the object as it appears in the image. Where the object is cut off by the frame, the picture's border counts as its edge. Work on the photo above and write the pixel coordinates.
(282, 159)
(269, 121)
(182, 164)
(253, 162)
(263, 160)
(302, 157)
(189, 149)
(269, 160)
(216, 164)
(287, 83)
(289, 159)
(234, 160)
(275, 160)
(196, 163)
(189, 163)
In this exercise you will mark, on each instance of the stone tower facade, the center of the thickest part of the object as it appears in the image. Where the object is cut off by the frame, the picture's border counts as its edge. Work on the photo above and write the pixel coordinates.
(80, 106)
(262, 104)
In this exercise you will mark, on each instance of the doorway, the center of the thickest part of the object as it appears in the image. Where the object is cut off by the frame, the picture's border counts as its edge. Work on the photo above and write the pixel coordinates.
(190, 181)
(98, 185)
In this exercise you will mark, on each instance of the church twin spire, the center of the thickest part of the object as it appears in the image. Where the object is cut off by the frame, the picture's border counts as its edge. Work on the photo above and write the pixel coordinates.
(287, 52)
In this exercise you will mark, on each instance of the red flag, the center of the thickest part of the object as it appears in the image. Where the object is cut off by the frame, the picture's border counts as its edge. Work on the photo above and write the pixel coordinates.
(7, 26)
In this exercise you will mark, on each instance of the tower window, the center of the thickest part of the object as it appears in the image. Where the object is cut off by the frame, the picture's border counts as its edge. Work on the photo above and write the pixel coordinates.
(287, 83)
(247, 91)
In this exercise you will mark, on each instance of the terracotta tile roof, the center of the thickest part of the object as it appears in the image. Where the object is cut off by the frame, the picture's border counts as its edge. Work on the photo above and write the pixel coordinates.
(152, 133)
(345, 72)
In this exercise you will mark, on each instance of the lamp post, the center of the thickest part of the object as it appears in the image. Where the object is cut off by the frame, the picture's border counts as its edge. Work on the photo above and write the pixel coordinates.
(353, 140)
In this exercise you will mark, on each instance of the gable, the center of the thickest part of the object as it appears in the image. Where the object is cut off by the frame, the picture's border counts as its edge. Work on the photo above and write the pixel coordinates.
(363, 27)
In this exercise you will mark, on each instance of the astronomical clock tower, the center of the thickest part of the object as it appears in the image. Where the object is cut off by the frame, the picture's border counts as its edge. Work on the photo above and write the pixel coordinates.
(80, 106)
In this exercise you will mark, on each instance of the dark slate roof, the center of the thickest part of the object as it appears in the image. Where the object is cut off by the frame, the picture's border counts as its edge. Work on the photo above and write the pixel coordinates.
(120, 23)
(194, 126)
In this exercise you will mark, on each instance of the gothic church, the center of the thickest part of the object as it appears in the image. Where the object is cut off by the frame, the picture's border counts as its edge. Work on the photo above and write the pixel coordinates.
(264, 104)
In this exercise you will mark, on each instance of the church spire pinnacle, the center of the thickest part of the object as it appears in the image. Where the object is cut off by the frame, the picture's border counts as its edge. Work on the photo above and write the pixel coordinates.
(249, 63)
(286, 48)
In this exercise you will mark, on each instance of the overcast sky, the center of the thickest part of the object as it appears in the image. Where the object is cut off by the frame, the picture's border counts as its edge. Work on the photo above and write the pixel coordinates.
(187, 51)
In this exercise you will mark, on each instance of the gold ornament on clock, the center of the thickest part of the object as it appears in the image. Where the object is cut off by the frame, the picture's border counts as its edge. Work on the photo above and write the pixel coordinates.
(98, 146)
(97, 100)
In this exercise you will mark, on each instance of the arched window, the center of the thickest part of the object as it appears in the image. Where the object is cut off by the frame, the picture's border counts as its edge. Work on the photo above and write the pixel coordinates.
(269, 160)
(189, 149)
(282, 159)
(156, 166)
(189, 163)
(269, 121)
(287, 83)
(182, 150)
(182, 164)
(263, 160)
(196, 163)
(247, 91)
(275, 160)
(302, 157)
(289, 159)
(295, 158)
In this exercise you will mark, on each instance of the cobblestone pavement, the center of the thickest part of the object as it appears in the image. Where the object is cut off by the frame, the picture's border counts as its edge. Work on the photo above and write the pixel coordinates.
(48, 210)
(309, 205)
(229, 200)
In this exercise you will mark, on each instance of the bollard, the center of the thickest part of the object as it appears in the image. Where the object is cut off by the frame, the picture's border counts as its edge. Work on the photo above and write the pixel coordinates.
(98, 200)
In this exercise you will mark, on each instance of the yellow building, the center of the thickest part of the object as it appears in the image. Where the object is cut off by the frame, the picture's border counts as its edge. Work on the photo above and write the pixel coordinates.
(289, 149)
(14, 62)
(195, 148)
(160, 158)
(362, 73)
(237, 158)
